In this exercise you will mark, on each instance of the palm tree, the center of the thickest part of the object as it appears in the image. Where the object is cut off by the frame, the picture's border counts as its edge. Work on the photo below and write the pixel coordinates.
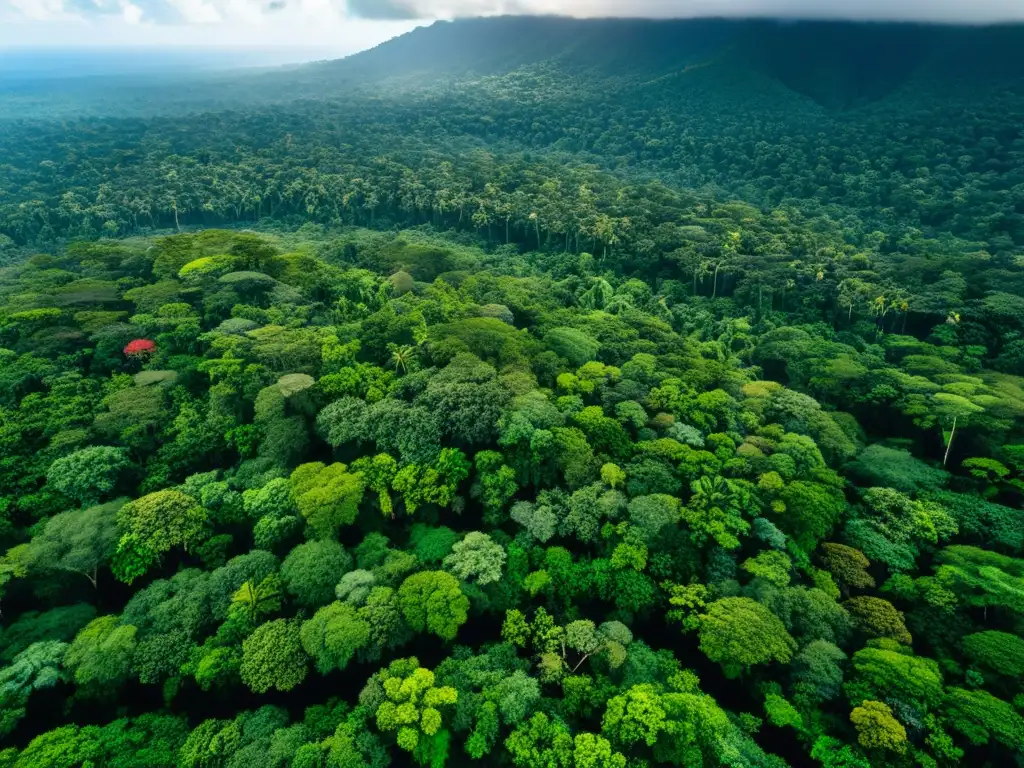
(258, 599)
(618, 304)
(702, 271)
(402, 356)
(709, 492)
(598, 295)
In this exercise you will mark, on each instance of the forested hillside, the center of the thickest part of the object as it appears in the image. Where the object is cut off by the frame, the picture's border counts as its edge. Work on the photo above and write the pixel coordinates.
(522, 392)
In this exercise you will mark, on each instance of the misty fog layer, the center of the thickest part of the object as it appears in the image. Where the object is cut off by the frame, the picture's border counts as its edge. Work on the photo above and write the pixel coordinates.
(949, 11)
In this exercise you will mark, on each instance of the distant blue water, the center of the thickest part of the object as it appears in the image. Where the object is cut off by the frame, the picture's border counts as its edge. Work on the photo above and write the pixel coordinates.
(55, 63)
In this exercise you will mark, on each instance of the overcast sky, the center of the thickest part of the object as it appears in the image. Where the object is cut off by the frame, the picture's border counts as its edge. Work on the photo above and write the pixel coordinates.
(346, 26)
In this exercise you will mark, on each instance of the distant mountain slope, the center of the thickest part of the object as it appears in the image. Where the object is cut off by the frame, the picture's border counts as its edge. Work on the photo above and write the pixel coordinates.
(907, 129)
(836, 64)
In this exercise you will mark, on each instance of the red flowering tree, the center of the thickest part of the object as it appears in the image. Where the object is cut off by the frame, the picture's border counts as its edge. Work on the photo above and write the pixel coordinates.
(139, 348)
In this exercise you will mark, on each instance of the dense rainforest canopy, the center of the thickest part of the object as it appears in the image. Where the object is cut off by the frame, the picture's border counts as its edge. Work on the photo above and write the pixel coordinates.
(524, 392)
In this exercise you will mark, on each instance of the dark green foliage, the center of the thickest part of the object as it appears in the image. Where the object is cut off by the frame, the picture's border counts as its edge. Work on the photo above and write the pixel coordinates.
(32, 626)
(476, 371)
(882, 466)
(311, 571)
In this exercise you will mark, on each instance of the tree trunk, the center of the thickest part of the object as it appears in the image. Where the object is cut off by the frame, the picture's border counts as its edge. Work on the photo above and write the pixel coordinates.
(950, 443)
(714, 287)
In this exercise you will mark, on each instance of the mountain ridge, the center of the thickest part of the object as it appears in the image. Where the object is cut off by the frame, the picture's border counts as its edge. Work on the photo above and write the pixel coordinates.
(809, 57)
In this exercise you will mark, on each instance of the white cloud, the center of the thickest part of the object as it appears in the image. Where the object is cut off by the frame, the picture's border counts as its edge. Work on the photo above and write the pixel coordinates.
(40, 10)
(345, 26)
(971, 11)
(131, 13)
(197, 11)
(304, 30)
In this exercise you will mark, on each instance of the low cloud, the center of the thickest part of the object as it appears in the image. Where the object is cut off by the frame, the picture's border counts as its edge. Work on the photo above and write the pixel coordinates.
(357, 24)
(947, 11)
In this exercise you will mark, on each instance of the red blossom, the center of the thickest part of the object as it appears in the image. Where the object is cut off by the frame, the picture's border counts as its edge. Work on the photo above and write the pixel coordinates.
(139, 348)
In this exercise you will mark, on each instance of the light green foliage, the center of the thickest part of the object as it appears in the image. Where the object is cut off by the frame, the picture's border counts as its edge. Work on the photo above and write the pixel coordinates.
(89, 474)
(687, 601)
(982, 578)
(811, 511)
(572, 344)
(431, 601)
(378, 473)
(894, 529)
(848, 565)
(780, 713)
(272, 500)
(496, 481)
(333, 636)
(714, 512)
(981, 717)
(605, 434)
(272, 657)
(162, 520)
(998, 652)
(593, 751)
(774, 567)
(147, 740)
(435, 483)
(538, 520)
(78, 541)
(256, 567)
(99, 658)
(515, 629)
(881, 673)
(637, 716)
(989, 470)
(832, 753)
(412, 706)
(564, 649)
(612, 475)
(540, 742)
(326, 496)
(738, 633)
(477, 557)
(355, 587)
(258, 599)
(877, 728)
(878, 618)
(574, 455)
